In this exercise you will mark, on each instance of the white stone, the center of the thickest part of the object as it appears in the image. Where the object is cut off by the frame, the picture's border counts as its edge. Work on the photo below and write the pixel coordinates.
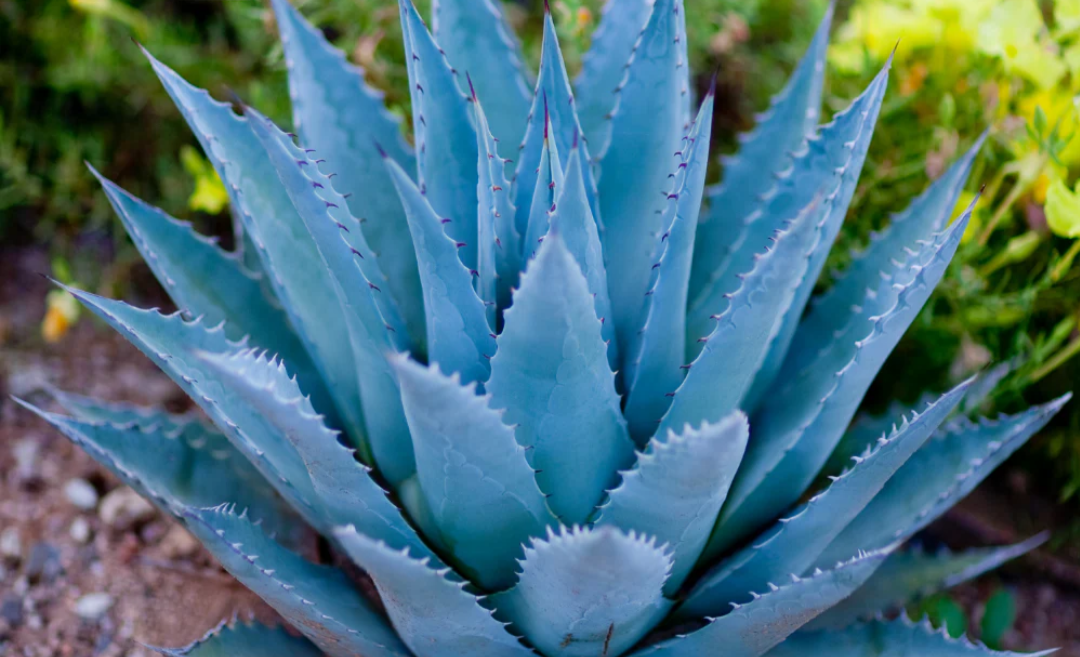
(80, 531)
(80, 493)
(10, 543)
(93, 606)
(121, 508)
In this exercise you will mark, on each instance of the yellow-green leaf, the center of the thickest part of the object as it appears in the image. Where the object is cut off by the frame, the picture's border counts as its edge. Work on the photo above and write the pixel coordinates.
(1062, 210)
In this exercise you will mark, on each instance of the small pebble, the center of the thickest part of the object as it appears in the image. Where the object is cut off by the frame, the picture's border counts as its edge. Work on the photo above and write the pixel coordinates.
(11, 544)
(178, 543)
(43, 564)
(122, 508)
(80, 493)
(93, 606)
(11, 611)
(80, 531)
(26, 453)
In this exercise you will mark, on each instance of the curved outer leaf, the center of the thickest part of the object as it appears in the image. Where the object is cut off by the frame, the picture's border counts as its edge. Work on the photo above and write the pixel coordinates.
(375, 327)
(913, 574)
(549, 184)
(479, 486)
(660, 346)
(675, 490)
(171, 343)
(204, 280)
(942, 473)
(801, 422)
(829, 313)
(764, 152)
(180, 464)
(881, 638)
(239, 639)
(553, 104)
(279, 235)
(587, 592)
(89, 409)
(721, 374)
(444, 135)
(478, 41)
(827, 165)
(797, 540)
(604, 65)
(342, 118)
(577, 225)
(343, 489)
(435, 616)
(752, 629)
(320, 601)
(552, 376)
(459, 337)
(499, 250)
(646, 130)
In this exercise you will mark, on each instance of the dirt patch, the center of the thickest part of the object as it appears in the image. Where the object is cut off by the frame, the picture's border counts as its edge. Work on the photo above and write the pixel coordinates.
(138, 585)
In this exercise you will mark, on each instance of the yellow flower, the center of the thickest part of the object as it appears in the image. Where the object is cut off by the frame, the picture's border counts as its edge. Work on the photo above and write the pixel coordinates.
(1011, 31)
(1061, 112)
(1062, 210)
(1067, 15)
(61, 313)
(210, 195)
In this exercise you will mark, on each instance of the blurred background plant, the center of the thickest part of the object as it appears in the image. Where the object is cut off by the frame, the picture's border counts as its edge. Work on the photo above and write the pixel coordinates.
(74, 87)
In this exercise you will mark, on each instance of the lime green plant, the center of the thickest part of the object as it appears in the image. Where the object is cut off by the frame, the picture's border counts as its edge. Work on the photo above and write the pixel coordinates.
(1013, 65)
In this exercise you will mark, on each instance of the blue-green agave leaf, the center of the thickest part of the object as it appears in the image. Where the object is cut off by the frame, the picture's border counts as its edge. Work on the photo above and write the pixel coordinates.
(178, 463)
(549, 185)
(803, 419)
(343, 488)
(552, 376)
(767, 150)
(459, 336)
(888, 638)
(586, 592)
(239, 639)
(206, 281)
(320, 601)
(675, 490)
(744, 331)
(433, 613)
(927, 215)
(827, 166)
(553, 117)
(912, 574)
(655, 369)
(342, 118)
(752, 629)
(795, 542)
(90, 409)
(174, 346)
(646, 131)
(279, 236)
(604, 66)
(938, 476)
(474, 475)
(499, 249)
(444, 135)
(478, 41)
(375, 326)
(577, 225)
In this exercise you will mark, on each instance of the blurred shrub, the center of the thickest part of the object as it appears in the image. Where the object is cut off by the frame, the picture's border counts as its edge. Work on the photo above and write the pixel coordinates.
(962, 66)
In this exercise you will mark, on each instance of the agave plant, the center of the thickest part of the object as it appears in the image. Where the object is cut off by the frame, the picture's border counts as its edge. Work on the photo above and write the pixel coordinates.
(548, 392)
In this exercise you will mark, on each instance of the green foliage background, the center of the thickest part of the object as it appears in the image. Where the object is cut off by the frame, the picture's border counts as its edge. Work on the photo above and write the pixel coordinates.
(74, 87)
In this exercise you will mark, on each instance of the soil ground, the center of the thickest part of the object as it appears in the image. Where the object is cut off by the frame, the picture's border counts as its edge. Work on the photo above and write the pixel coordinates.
(159, 595)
